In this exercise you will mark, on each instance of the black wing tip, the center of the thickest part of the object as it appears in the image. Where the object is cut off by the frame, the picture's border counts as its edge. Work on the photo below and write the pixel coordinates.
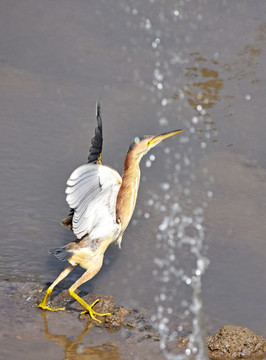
(98, 108)
(99, 114)
(97, 140)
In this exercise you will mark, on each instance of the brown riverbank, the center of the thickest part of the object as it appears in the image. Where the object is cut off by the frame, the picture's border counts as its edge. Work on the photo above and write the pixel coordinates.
(126, 334)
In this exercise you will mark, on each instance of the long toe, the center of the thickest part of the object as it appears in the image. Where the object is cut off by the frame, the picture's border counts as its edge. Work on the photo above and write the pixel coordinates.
(89, 309)
(46, 307)
(93, 313)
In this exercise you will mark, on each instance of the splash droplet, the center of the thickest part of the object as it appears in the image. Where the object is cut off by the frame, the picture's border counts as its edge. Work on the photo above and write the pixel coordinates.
(199, 107)
(163, 121)
(165, 186)
(147, 24)
(164, 102)
(148, 163)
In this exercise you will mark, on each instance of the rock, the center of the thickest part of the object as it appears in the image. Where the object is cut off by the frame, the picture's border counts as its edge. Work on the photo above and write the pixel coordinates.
(230, 342)
(235, 342)
(182, 342)
(113, 322)
(116, 320)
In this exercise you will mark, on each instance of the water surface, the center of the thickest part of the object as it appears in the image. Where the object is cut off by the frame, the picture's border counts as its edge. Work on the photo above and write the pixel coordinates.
(58, 58)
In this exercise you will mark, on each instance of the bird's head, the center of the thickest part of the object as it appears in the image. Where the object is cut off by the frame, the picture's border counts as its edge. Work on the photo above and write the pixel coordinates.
(141, 145)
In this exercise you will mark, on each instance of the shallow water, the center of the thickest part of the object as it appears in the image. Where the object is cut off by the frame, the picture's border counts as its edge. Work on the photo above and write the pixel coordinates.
(57, 60)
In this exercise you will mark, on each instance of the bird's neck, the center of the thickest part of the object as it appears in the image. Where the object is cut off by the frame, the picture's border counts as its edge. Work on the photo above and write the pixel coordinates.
(128, 192)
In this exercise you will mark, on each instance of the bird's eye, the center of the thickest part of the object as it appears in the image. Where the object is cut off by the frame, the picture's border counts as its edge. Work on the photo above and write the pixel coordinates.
(137, 140)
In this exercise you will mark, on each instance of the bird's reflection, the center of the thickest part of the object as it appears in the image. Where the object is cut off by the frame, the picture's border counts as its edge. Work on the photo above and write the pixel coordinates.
(74, 350)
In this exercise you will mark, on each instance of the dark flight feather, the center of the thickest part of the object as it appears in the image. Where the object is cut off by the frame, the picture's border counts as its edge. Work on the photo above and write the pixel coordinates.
(95, 155)
(95, 152)
(61, 253)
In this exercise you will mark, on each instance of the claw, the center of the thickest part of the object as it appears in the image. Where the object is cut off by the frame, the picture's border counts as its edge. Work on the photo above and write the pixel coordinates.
(92, 312)
(46, 307)
(43, 305)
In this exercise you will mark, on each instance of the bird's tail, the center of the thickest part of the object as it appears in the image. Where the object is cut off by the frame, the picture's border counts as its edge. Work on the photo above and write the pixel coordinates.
(61, 253)
(95, 152)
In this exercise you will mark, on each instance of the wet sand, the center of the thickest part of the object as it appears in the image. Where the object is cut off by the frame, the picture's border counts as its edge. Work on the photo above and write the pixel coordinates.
(125, 334)
(32, 332)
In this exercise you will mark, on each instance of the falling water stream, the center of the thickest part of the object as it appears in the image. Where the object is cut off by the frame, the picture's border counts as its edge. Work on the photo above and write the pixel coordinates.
(181, 235)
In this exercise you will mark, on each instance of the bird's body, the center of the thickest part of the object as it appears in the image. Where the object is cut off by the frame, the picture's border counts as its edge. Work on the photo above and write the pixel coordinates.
(102, 204)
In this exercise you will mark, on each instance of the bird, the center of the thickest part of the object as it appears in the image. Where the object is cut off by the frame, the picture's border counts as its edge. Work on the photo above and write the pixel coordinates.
(101, 205)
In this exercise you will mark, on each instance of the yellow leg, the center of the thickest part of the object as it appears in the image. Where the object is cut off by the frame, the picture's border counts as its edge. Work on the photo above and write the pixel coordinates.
(93, 268)
(89, 308)
(43, 305)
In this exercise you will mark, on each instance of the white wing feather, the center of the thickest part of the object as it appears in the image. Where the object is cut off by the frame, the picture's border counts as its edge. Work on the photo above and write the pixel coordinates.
(92, 192)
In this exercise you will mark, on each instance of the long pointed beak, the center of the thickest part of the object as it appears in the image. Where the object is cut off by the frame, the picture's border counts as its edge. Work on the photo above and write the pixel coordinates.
(156, 139)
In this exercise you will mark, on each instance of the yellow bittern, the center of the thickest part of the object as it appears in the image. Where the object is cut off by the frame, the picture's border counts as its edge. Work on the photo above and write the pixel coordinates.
(102, 204)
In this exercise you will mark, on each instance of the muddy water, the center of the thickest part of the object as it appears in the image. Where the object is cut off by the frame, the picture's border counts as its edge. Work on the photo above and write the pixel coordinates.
(56, 60)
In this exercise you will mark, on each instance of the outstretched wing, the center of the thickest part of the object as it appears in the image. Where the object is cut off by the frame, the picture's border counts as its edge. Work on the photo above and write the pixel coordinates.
(92, 193)
(95, 152)
(95, 155)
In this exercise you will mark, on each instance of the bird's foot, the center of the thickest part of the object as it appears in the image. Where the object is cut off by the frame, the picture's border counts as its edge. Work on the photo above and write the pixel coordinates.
(46, 307)
(43, 305)
(89, 309)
